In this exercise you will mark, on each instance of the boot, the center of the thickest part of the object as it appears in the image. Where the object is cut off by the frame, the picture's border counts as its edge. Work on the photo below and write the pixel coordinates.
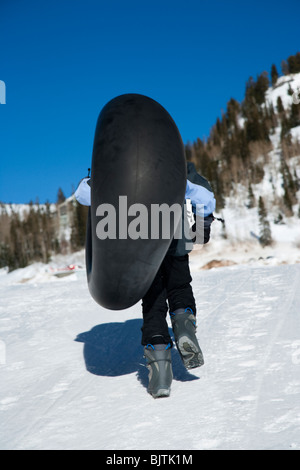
(184, 328)
(159, 364)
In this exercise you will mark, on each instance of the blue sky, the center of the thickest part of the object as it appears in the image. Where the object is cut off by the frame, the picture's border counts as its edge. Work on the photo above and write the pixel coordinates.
(62, 61)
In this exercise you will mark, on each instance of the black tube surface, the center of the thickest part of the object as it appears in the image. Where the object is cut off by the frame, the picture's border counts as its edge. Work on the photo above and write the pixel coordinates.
(138, 153)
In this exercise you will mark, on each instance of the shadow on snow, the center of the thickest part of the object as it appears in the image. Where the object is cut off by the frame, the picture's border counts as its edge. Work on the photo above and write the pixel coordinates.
(114, 349)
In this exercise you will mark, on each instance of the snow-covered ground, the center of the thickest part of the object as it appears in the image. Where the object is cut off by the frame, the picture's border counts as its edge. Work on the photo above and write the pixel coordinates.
(73, 374)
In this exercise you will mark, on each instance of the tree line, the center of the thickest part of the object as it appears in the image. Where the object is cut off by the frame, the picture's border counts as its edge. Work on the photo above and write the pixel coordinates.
(239, 143)
(35, 233)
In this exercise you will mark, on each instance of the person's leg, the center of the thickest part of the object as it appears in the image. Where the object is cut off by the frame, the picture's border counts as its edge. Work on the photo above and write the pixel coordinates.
(154, 304)
(182, 309)
(178, 280)
(156, 339)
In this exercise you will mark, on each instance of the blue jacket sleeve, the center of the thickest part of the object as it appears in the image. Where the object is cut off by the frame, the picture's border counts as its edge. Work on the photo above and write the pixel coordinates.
(203, 200)
(83, 192)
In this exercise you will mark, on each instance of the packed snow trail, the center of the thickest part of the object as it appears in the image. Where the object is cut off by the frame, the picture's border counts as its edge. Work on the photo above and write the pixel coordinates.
(74, 376)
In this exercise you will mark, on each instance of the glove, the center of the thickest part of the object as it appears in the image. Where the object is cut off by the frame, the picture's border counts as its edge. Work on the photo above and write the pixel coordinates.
(201, 229)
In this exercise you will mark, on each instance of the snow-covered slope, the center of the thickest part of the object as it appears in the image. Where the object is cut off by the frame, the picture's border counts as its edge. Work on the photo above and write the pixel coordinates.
(281, 89)
(23, 209)
(242, 223)
(73, 374)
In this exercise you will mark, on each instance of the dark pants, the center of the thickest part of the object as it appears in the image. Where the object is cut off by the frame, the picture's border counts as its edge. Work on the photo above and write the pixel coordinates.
(173, 284)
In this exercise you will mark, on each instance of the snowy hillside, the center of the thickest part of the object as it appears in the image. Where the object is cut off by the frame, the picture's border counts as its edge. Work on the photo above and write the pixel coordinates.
(73, 374)
(23, 209)
(242, 223)
(281, 89)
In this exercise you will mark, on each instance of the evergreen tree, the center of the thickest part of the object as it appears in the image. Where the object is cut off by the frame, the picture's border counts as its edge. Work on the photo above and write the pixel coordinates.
(295, 115)
(188, 152)
(79, 226)
(265, 235)
(244, 151)
(271, 118)
(19, 257)
(255, 126)
(287, 202)
(251, 197)
(29, 238)
(233, 109)
(223, 230)
(285, 127)
(290, 91)
(50, 242)
(218, 186)
(255, 91)
(219, 127)
(284, 67)
(60, 196)
(4, 254)
(296, 180)
(274, 75)
(215, 137)
(261, 87)
(294, 63)
(280, 107)
(289, 187)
